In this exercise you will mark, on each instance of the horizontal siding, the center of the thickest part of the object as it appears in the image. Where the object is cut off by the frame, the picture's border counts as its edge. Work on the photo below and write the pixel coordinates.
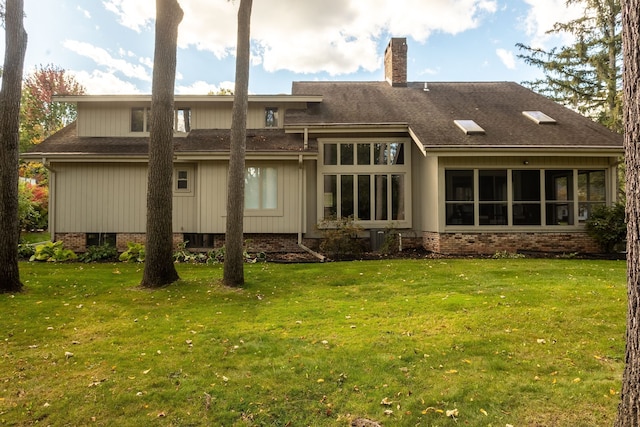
(100, 198)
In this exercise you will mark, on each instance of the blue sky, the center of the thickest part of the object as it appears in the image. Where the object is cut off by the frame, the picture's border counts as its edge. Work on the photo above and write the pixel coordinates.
(108, 44)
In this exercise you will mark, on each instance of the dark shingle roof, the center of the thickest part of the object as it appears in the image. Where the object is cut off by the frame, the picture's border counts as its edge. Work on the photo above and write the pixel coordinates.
(496, 106)
(66, 141)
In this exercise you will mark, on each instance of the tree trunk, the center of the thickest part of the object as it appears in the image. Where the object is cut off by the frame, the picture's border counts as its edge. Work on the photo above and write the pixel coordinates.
(10, 94)
(233, 259)
(159, 269)
(629, 408)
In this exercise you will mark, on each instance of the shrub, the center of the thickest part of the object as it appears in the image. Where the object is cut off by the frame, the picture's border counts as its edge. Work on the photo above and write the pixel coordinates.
(134, 253)
(607, 226)
(104, 252)
(50, 251)
(340, 238)
(26, 250)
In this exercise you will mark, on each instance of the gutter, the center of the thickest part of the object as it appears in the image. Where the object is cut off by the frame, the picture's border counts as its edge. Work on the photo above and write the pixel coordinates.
(303, 205)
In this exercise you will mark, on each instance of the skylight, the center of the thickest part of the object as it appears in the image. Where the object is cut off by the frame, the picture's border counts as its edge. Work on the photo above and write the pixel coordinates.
(469, 127)
(539, 117)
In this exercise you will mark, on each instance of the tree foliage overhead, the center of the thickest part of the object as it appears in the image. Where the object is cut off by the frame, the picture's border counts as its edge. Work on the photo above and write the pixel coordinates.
(586, 75)
(40, 115)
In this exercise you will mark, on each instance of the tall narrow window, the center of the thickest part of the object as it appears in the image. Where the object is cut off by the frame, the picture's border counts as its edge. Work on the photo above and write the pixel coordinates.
(591, 192)
(138, 119)
(271, 117)
(261, 188)
(558, 195)
(526, 197)
(182, 120)
(493, 197)
(459, 197)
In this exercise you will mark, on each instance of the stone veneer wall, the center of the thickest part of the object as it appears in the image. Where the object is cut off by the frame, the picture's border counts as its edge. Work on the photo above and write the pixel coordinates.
(490, 243)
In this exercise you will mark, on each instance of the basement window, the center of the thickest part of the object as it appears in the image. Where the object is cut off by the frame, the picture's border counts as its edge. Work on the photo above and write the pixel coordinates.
(539, 117)
(469, 127)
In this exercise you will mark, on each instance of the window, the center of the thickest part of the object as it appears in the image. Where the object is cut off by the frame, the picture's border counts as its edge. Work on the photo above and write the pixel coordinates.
(140, 119)
(261, 188)
(539, 117)
(183, 180)
(271, 117)
(99, 239)
(459, 197)
(493, 197)
(364, 180)
(182, 120)
(591, 192)
(526, 197)
(558, 196)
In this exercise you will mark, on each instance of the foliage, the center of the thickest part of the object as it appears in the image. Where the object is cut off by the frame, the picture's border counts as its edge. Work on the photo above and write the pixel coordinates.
(525, 342)
(134, 253)
(40, 115)
(340, 238)
(26, 250)
(52, 251)
(33, 203)
(104, 252)
(214, 256)
(585, 75)
(507, 255)
(607, 226)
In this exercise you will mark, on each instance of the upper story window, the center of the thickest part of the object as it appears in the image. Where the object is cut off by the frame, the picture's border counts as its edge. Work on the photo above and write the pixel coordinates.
(141, 119)
(182, 120)
(271, 117)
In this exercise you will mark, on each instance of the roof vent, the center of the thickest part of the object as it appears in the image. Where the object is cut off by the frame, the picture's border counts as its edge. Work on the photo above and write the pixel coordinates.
(469, 127)
(539, 117)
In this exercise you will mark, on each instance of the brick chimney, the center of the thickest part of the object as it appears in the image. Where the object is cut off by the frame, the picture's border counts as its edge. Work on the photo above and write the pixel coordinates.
(395, 62)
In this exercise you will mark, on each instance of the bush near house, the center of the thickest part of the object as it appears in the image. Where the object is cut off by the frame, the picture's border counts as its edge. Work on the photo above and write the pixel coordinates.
(33, 206)
(607, 226)
(340, 238)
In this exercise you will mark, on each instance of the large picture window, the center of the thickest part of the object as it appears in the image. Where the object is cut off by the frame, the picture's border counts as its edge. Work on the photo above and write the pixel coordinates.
(365, 180)
(522, 197)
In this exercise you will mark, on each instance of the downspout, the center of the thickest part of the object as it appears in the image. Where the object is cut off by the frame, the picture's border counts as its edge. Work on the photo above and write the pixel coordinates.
(303, 206)
(52, 203)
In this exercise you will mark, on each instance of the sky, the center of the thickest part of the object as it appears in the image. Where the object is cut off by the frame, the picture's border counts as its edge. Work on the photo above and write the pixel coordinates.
(108, 44)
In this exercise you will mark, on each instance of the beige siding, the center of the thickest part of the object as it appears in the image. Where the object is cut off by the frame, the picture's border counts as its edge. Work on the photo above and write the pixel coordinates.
(98, 197)
(212, 193)
(104, 120)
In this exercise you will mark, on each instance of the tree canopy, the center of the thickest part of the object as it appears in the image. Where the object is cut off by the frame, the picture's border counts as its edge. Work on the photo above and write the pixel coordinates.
(40, 115)
(585, 75)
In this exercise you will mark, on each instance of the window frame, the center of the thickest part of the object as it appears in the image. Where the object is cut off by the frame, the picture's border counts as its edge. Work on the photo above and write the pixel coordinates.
(190, 179)
(570, 201)
(279, 209)
(349, 166)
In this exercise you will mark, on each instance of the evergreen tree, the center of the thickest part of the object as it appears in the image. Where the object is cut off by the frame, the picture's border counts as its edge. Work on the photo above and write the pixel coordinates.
(586, 75)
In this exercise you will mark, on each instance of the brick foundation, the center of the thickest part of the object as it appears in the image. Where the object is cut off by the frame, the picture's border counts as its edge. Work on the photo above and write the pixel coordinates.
(490, 243)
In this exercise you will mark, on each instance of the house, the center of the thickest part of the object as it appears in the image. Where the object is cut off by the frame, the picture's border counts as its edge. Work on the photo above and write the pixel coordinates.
(456, 168)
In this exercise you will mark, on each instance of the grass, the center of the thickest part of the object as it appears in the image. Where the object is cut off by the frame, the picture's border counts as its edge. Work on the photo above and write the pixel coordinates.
(496, 342)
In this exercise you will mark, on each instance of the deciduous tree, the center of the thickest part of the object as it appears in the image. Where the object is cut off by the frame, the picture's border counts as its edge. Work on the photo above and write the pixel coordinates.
(585, 75)
(159, 269)
(629, 408)
(233, 274)
(15, 49)
(40, 115)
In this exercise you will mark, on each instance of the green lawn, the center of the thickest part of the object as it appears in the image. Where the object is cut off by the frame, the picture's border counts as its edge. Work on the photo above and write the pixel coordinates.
(523, 342)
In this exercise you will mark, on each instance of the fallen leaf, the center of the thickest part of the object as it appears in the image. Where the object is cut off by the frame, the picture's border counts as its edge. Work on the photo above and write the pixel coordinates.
(483, 412)
(386, 402)
(452, 413)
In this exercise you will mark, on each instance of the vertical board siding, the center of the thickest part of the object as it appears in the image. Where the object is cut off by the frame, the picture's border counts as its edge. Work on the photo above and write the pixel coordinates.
(104, 120)
(99, 197)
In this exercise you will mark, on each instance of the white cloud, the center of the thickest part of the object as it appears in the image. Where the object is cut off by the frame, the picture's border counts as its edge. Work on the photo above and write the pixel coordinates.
(335, 36)
(103, 58)
(133, 14)
(507, 57)
(542, 16)
(201, 87)
(104, 83)
(85, 12)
